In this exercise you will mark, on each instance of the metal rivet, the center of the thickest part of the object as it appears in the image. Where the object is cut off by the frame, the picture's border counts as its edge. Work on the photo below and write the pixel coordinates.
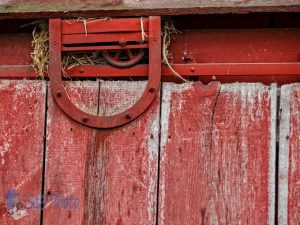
(127, 116)
(81, 71)
(192, 69)
(152, 89)
(58, 93)
(85, 119)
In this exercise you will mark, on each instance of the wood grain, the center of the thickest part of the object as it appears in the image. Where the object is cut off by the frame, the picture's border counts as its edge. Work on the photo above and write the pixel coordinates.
(113, 172)
(217, 154)
(96, 8)
(22, 115)
(289, 155)
(122, 172)
(67, 145)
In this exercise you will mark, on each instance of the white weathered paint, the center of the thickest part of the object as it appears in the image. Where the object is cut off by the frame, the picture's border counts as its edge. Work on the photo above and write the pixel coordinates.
(165, 114)
(285, 98)
(153, 146)
(120, 89)
(272, 153)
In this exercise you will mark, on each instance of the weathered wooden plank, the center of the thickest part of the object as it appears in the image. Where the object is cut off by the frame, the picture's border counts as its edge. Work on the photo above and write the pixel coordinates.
(67, 145)
(217, 154)
(22, 116)
(66, 8)
(122, 173)
(289, 155)
(112, 172)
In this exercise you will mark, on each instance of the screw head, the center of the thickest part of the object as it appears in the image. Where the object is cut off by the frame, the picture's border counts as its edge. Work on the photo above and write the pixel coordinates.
(81, 71)
(192, 69)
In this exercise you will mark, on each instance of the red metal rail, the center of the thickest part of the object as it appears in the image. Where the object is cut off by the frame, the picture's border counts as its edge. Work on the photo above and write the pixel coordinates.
(227, 55)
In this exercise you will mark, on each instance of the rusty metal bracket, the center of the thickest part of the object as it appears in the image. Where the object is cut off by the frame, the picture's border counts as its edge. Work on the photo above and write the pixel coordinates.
(62, 99)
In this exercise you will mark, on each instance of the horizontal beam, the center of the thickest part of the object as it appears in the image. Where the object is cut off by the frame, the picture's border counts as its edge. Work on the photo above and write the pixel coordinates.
(108, 25)
(105, 37)
(111, 8)
(206, 69)
(98, 48)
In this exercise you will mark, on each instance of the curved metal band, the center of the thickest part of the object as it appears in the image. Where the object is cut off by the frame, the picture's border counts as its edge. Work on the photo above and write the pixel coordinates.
(130, 114)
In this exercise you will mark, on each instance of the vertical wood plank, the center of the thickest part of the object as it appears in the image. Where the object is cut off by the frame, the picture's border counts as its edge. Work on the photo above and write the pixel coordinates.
(22, 116)
(67, 145)
(122, 168)
(113, 172)
(289, 155)
(217, 154)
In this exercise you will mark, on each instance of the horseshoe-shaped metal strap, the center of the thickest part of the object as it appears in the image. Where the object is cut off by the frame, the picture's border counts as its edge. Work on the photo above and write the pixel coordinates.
(62, 99)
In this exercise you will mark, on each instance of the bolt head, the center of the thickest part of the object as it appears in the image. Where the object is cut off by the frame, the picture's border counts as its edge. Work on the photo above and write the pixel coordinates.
(85, 119)
(58, 93)
(151, 89)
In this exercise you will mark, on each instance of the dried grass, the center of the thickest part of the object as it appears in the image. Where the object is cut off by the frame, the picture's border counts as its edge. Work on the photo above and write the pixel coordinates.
(40, 55)
(169, 33)
(40, 44)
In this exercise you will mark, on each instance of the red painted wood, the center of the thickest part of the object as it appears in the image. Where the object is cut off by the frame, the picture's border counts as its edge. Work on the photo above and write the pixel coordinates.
(107, 25)
(105, 37)
(22, 116)
(67, 145)
(122, 173)
(96, 8)
(217, 154)
(237, 45)
(15, 49)
(113, 172)
(289, 156)
(267, 73)
(95, 48)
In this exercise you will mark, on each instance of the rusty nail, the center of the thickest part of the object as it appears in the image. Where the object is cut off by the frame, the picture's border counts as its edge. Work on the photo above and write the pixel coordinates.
(85, 119)
(192, 69)
(58, 93)
(152, 89)
(127, 116)
(81, 71)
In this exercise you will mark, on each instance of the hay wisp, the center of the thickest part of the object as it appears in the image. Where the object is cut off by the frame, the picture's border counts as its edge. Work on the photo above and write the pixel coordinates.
(169, 32)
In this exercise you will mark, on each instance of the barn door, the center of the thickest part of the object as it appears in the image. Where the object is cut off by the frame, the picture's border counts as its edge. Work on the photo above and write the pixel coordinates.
(199, 155)
(289, 155)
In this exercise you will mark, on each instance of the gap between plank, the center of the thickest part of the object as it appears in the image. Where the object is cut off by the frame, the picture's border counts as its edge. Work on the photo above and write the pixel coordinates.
(159, 151)
(44, 155)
